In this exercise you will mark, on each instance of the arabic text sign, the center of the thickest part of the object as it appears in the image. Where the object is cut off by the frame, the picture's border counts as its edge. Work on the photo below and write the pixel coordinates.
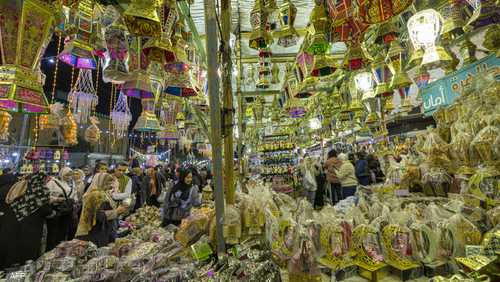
(444, 91)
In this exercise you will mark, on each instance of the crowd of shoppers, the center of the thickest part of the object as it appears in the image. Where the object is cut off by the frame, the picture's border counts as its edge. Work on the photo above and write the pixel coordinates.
(339, 177)
(39, 211)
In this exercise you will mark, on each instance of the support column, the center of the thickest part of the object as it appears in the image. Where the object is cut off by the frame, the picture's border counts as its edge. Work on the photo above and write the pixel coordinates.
(227, 92)
(215, 119)
(241, 112)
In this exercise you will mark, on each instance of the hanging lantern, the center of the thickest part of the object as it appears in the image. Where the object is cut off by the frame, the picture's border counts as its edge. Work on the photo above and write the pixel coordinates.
(142, 18)
(486, 12)
(260, 36)
(492, 39)
(5, 119)
(147, 121)
(180, 120)
(346, 24)
(25, 32)
(180, 84)
(295, 108)
(181, 57)
(159, 49)
(121, 116)
(318, 29)
(275, 74)
(370, 101)
(378, 11)
(424, 28)
(381, 74)
(78, 50)
(116, 68)
(452, 13)
(355, 58)
(400, 80)
(138, 85)
(287, 35)
(83, 96)
(323, 65)
(69, 129)
(396, 56)
(169, 133)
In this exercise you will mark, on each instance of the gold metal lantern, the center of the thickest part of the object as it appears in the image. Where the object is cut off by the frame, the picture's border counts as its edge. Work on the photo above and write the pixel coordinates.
(78, 50)
(24, 34)
(147, 122)
(318, 29)
(287, 35)
(260, 36)
(142, 18)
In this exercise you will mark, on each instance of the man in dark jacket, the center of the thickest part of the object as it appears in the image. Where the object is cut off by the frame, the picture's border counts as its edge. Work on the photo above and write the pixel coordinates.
(362, 170)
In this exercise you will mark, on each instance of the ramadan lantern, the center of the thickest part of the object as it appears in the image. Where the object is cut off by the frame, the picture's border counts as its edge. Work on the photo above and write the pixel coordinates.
(378, 11)
(260, 36)
(138, 82)
(142, 18)
(320, 25)
(116, 67)
(424, 29)
(25, 31)
(400, 81)
(78, 50)
(147, 121)
(287, 35)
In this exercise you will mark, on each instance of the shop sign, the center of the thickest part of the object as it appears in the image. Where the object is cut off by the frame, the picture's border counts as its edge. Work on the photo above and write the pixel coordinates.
(444, 91)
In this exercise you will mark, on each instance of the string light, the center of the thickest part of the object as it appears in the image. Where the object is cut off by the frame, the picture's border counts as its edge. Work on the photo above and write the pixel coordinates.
(96, 85)
(54, 81)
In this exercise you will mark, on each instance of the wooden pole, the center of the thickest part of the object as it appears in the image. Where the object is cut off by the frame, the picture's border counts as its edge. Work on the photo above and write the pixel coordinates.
(215, 118)
(241, 112)
(227, 92)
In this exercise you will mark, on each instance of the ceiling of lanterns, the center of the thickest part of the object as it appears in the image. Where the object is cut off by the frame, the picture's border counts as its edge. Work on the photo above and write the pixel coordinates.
(241, 16)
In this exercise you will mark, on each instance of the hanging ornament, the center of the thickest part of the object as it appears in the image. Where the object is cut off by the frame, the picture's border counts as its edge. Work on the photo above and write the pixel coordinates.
(83, 96)
(147, 122)
(116, 68)
(142, 18)
(78, 50)
(318, 29)
(121, 116)
(287, 35)
(346, 23)
(53, 119)
(5, 119)
(180, 84)
(424, 29)
(275, 74)
(485, 12)
(138, 82)
(93, 133)
(25, 32)
(378, 11)
(69, 129)
(260, 36)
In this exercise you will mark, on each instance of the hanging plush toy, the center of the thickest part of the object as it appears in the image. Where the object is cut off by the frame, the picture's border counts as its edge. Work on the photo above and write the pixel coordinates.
(93, 133)
(69, 129)
(5, 119)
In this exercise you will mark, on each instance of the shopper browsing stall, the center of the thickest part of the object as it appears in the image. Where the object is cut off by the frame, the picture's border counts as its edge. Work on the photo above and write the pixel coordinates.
(180, 199)
(24, 205)
(63, 198)
(346, 177)
(99, 211)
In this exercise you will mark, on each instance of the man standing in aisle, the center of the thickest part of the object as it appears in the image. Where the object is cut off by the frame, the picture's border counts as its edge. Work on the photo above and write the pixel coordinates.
(139, 186)
(125, 184)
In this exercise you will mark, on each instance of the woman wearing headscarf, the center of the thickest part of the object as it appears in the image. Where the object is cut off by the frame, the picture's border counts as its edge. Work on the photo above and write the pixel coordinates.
(79, 189)
(180, 199)
(25, 205)
(347, 177)
(64, 197)
(99, 211)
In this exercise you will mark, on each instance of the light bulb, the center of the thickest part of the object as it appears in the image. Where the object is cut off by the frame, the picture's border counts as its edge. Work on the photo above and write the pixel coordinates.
(364, 81)
(314, 123)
